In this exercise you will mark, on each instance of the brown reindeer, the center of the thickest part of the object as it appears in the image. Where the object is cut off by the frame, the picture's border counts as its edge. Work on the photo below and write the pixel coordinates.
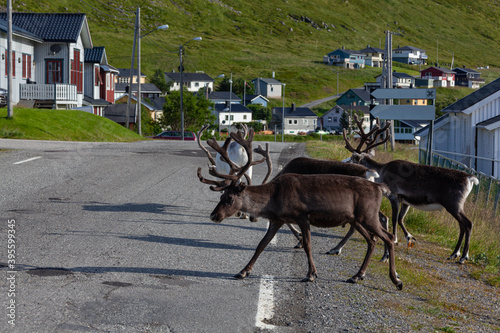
(319, 200)
(425, 188)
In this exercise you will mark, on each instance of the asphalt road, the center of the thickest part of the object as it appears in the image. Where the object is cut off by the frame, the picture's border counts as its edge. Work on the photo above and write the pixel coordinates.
(116, 237)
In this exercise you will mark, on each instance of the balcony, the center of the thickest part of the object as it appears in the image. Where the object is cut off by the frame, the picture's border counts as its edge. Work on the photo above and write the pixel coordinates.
(64, 95)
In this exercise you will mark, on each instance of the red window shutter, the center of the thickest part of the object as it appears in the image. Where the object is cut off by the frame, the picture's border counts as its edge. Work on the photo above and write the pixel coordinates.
(24, 66)
(29, 65)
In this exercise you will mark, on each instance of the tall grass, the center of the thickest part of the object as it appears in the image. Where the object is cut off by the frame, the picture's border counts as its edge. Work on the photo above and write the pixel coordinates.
(438, 226)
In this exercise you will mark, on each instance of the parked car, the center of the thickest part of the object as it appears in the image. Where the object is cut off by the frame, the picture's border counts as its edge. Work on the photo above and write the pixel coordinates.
(3, 97)
(175, 135)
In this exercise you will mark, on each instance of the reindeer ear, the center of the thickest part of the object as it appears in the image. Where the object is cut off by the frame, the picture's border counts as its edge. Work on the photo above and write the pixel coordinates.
(241, 187)
(371, 153)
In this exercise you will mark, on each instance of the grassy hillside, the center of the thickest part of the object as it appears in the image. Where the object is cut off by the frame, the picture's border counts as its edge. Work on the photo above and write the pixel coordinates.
(62, 125)
(288, 37)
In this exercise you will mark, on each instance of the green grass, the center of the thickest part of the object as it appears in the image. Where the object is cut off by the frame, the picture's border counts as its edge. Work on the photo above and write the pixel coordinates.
(257, 38)
(437, 227)
(62, 125)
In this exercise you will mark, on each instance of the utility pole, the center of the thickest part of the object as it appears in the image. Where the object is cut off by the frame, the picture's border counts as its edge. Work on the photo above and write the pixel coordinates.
(136, 31)
(139, 102)
(387, 76)
(9, 59)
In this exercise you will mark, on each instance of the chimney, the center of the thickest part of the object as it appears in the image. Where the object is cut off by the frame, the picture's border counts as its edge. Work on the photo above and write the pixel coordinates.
(293, 107)
(367, 46)
(273, 75)
(343, 47)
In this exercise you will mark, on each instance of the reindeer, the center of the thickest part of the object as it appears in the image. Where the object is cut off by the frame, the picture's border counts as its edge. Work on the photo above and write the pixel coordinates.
(304, 165)
(319, 200)
(423, 187)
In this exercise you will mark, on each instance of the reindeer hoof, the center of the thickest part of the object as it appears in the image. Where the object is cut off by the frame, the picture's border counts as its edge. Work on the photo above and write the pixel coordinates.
(299, 245)
(334, 252)
(310, 278)
(385, 257)
(241, 275)
(462, 260)
(355, 278)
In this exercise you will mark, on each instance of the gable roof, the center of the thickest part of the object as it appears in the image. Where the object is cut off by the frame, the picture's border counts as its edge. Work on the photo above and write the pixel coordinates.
(267, 80)
(240, 108)
(441, 69)
(125, 72)
(474, 97)
(223, 96)
(117, 113)
(16, 31)
(348, 52)
(362, 93)
(188, 77)
(408, 48)
(251, 98)
(54, 27)
(145, 88)
(399, 75)
(95, 55)
(465, 70)
(294, 111)
(370, 49)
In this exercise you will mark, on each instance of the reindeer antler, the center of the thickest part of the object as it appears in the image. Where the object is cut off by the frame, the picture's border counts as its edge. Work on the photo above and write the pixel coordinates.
(370, 139)
(198, 138)
(267, 158)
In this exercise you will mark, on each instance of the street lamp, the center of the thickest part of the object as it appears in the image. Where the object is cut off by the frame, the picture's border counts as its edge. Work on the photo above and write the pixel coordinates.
(181, 48)
(137, 38)
(283, 116)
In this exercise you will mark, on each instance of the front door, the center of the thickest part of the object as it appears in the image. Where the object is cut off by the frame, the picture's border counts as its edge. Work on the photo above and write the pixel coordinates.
(54, 71)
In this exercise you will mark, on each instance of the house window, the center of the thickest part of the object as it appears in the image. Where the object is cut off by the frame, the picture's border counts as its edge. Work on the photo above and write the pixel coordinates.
(334, 119)
(96, 74)
(26, 66)
(244, 117)
(13, 63)
(77, 71)
(329, 119)
(295, 122)
(227, 117)
(54, 71)
(305, 121)
(289, 121)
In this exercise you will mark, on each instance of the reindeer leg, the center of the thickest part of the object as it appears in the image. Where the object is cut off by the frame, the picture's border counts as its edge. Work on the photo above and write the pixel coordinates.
(402, 213)
(271, 232)
(370, 240)
(297, 234)
(395, 208)
(306, 240)
(388, 239)
(337, 249)
(465, 231)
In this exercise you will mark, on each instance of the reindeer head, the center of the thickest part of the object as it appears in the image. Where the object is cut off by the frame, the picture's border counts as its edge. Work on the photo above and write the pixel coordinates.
(229, 184)
(370, 139)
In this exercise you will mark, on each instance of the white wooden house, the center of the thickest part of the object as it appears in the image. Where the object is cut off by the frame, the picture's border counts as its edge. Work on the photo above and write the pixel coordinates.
(469, 131)
(57, 62)
(23, 57)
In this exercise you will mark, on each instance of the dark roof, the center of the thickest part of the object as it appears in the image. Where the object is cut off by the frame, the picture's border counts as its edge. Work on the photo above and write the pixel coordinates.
(117, 113)
(20, 32)
(488, 122)
(223, 95)
(234, 108)
(294, 111)
(249, 98)
(362, 93)
(95, 102)
(157, 102)
(145, 88)
(95, 54)
(188, 77)
(125, 72)
(267, 80)
(54, 27)
(370, 49)
(408, 48)
(474, 97)
(465, 70)
(363, 108)
(400, 75)
(442, 69)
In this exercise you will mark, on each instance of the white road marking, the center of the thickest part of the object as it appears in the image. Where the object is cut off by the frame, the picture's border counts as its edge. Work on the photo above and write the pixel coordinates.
(265, 306)
(28, 160)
